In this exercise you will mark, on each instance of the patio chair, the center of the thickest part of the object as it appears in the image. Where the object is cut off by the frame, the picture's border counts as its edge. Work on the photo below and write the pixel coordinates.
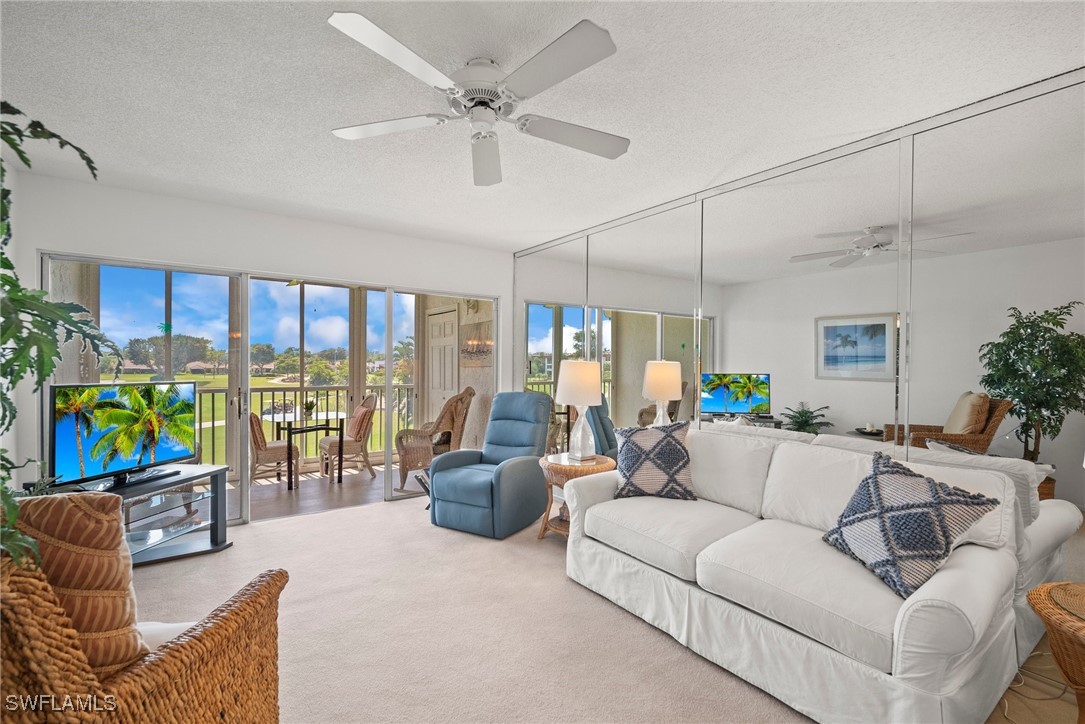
(978, 441)
(356, 448)
(265, 455)
(418, 446)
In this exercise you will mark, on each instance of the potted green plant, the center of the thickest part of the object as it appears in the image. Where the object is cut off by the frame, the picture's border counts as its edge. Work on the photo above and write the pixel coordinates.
(805, 419)
(1040, 367)
(309, 407)
(32, 329)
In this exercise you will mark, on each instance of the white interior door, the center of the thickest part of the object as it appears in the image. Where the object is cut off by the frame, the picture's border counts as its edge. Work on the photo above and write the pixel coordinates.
(442, 366)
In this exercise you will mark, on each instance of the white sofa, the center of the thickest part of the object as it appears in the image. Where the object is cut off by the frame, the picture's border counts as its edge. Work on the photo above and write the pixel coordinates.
(742, 577)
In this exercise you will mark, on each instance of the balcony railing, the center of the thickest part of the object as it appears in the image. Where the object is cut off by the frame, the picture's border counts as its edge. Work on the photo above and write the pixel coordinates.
(282, 403)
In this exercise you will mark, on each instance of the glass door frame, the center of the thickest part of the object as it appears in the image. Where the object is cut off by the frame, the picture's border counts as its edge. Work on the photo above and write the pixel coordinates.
(237, 439)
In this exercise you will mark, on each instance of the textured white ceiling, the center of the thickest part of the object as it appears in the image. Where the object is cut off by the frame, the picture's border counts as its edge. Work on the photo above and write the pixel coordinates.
(233, 102)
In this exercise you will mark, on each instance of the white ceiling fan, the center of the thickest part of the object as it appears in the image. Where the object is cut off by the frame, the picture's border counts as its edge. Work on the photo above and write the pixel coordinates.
(871, 241)
(484, 95)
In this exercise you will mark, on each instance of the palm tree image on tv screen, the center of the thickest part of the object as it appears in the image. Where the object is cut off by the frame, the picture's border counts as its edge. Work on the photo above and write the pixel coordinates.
(735, 394)
(856, 347)
(102, 430)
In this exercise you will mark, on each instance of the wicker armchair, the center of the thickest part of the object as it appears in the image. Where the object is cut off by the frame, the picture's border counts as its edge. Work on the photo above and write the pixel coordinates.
(979, 441)
(417, 447)
(1065, 631)
(356, 448)
(264, 454)
(648, 414)
(223, 668)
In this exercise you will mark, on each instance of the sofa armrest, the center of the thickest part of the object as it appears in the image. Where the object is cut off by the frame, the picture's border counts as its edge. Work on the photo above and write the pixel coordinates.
(519, 492)
(583, 493)
(228, 662)
(941, 623)
(454, 459)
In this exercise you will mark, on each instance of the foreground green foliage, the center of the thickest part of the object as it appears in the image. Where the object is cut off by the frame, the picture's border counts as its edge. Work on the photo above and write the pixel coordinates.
(1041, 368)
(32, 328)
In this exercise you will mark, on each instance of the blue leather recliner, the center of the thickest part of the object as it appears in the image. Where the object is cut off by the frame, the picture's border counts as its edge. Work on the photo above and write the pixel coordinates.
(606, 442)
(500, 489)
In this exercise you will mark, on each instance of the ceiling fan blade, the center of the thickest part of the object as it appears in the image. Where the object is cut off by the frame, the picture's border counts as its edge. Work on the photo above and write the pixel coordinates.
(486, 159)
(602, 144)
(846, 261)
(947, 236)
(841, 235)
(818, 255)
(379, 128)
(582, 46)
(927, 253)
(365, 32)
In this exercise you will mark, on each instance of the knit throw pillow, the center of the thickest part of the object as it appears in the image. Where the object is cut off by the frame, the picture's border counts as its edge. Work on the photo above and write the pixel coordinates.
(86, 560)
(654, 461)
(902, 525)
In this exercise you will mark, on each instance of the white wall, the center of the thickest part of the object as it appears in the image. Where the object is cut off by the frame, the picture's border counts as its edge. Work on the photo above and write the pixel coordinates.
(87, 218)
(958, 303)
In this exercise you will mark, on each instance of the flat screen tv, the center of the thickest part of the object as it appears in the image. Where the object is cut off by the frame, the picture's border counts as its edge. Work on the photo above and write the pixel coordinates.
(119, 429)
(735, 394)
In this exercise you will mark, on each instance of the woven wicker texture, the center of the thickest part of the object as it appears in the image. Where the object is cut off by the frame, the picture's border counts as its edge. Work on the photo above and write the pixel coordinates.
(978, 442)
(225, 668)
(416, 446)
(558, 470)
(263, 454)
(1061, 606)
(356, 448)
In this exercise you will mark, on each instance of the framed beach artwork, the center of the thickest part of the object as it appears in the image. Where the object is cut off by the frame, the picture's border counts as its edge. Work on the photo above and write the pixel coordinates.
(859, 347)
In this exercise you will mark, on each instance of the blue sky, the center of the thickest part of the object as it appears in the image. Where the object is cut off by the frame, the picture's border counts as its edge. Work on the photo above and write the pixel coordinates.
(66, 462)
(133, 305)
(540, 322)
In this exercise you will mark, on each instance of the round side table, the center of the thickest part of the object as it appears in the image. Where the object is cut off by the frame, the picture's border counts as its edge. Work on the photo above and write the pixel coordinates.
(1061, 606)
(558, 470)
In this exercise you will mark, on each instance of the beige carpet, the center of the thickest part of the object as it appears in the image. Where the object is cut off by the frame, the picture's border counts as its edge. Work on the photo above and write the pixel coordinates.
(388, 618)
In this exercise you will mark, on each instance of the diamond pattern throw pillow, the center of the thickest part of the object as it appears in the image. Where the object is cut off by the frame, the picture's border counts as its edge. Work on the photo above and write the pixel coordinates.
(654, 461)
(902, 525)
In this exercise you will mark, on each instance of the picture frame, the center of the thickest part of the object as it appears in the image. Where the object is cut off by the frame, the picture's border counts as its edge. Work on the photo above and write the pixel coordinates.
(856, 347)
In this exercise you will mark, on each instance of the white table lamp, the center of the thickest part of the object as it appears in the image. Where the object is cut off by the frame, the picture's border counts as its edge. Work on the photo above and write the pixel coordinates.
(662, 383)
(580, 385)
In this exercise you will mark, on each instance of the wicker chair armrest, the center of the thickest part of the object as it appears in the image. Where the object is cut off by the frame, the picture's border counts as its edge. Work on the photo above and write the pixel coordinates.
(918, 432)
(228, 662)
(411, 438)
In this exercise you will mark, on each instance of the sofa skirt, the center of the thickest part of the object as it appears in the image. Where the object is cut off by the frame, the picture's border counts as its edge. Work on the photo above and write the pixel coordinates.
(808, 676)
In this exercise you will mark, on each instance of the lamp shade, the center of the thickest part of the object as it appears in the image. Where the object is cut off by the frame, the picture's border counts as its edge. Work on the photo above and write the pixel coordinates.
(580, 384)
(662, 380)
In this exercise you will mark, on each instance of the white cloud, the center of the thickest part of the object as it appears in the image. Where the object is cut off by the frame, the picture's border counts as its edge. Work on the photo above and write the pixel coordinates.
(373, 340)
(325, 332)
(545, 344)
(287, 333)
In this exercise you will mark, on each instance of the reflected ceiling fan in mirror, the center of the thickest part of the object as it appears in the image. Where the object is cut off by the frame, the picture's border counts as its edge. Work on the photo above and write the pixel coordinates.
(871, 241)
(484, 95)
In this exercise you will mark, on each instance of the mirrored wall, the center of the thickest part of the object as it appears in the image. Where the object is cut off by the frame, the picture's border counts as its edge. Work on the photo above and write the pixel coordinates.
(863, 281)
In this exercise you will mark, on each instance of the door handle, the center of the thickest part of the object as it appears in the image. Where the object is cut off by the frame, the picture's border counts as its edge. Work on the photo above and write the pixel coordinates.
(238, 403)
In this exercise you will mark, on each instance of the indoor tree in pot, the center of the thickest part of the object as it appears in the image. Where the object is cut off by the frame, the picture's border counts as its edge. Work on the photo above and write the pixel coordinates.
(805, 419)
(32, 328)
(1040, 367)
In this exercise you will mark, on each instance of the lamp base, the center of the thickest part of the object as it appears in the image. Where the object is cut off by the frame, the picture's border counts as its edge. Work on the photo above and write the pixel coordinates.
(581, 438)
(661, 414)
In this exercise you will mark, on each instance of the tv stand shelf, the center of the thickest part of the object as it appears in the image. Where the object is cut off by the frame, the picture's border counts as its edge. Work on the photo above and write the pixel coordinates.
(754, 420)
(162, 516)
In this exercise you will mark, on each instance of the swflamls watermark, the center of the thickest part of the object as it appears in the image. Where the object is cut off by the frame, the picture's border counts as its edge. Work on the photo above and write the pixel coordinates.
(52, 702)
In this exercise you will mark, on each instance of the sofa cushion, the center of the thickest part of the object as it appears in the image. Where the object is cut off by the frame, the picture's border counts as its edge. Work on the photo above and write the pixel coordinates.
(784, 572)
(654, 461)
(769, 432)
(1026, 476)
(729, 469)
(664, 533)
(811, 484)
(87, 562)
(902, 525)
(969, 415)
(471, 484)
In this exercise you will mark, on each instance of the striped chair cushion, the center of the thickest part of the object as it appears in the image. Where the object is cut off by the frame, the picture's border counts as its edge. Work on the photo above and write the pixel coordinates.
(359, 422)
(86, 560)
